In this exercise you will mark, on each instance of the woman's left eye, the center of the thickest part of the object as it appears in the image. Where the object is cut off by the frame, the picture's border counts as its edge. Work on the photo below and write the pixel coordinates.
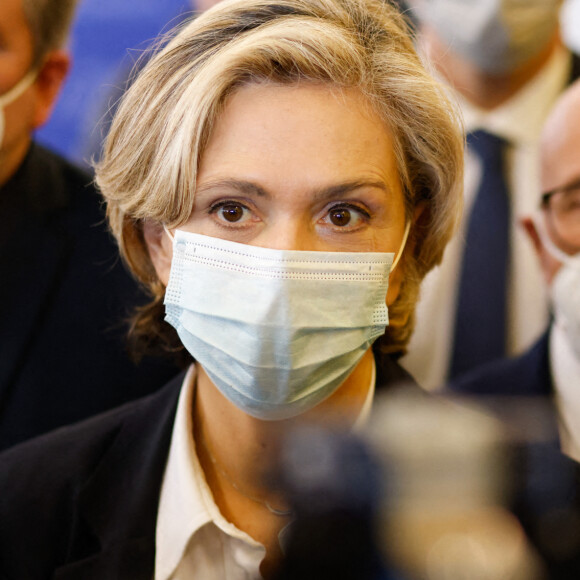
(344, 216)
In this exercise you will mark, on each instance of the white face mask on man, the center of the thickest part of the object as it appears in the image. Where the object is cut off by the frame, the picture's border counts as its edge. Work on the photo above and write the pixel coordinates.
(277, 331)
(565, 294)
(10, 96)
(564, 290)
(497, 36)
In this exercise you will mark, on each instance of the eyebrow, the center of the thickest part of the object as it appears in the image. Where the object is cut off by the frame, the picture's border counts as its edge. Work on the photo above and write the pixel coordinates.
(574, 184)
(331, 192)
(240, 185)
(342, 189)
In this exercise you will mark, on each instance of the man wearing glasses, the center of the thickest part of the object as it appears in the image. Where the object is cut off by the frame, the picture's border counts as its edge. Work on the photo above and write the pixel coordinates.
(552, 366)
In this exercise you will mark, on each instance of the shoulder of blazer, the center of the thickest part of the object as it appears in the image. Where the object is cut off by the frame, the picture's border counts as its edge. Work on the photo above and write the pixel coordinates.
(73, 494)
(528, 374)
(47, 182)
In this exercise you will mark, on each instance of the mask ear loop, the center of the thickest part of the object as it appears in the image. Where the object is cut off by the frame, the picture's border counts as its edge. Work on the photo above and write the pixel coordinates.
(403, 244)
(169, 234)
(12, 95)
(18, 88)
(552, 249)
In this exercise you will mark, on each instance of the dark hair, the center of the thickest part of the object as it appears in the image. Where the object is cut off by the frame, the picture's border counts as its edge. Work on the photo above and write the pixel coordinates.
(50, 22)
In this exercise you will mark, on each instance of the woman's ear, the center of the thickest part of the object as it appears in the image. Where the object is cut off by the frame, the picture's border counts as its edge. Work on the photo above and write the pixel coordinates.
(48, 83)
(549, 264)
(160, 247)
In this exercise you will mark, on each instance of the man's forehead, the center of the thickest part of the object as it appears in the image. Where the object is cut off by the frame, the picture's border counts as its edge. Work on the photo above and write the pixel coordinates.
(560, 162)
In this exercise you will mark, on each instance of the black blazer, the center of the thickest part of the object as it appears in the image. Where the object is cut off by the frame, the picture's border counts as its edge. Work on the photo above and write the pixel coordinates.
(81, 503)
(64, 296)
(526, 375)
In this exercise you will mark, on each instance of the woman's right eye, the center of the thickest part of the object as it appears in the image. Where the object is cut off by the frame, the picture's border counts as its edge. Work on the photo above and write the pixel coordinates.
(231, 212)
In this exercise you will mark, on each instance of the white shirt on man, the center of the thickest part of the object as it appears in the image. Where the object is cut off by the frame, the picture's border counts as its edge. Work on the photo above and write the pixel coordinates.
(519, 121)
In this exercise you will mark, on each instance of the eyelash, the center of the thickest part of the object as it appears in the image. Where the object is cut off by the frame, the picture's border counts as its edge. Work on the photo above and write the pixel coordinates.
(219, 204)
(350, 206)
(365, 214)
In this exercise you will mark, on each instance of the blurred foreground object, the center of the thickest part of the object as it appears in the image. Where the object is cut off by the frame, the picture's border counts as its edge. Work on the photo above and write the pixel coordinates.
(440, 489)
(334, 484)
(570, 19)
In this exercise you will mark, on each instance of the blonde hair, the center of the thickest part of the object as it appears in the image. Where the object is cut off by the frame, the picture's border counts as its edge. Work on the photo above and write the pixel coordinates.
(49, 22)
(158, 136)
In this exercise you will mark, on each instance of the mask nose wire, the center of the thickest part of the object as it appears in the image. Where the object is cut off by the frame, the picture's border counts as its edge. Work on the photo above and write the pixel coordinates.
(399, 253)
(549, 244)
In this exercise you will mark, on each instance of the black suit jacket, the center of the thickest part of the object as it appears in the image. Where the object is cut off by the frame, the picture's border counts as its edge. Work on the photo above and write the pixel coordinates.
(81, 503)
(64, 296)
(500, 384)
(526, 375)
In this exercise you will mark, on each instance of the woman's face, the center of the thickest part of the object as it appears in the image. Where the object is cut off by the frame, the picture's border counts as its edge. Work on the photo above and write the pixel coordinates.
(298, 168)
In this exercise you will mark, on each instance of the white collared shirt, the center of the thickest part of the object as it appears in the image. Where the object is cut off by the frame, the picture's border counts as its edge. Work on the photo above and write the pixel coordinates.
(520, 122)
(565, 368)
(193, 539)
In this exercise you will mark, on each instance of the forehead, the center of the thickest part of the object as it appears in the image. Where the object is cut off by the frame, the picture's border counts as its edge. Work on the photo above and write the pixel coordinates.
(560, 161)
(299, 134)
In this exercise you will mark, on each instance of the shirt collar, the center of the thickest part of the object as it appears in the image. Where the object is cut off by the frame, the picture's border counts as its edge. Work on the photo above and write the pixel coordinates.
(520, 119)
(186, 503)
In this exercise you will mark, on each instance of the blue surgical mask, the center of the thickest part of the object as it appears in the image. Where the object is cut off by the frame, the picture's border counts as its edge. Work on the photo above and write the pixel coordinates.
(276, 331)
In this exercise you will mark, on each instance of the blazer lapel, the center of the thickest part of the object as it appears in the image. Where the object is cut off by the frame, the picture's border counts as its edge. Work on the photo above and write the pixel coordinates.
(117, 507)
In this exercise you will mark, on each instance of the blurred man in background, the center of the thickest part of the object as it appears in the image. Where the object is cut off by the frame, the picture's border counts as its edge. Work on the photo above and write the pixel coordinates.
(63, 293)
(507, 65)
(552, 366)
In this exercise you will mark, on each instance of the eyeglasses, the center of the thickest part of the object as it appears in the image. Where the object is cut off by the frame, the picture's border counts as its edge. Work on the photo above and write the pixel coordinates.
(563, 212)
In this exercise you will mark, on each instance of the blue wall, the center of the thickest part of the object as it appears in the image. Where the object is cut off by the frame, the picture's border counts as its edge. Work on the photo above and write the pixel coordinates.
(107, 38)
